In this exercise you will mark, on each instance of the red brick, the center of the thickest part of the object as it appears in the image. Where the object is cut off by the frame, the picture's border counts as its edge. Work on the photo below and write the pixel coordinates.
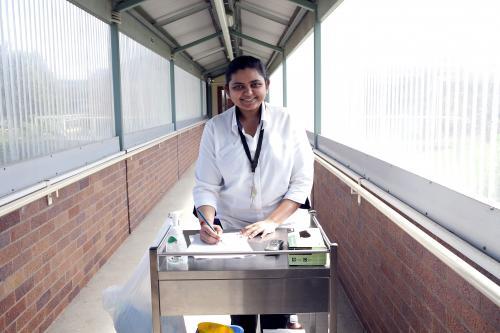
(22, 259)
(461, 287)
(25, 287)
(19, 230)
(4, 239)
(30, 209)
(10, 252)
(73, 211)
(38, 220)
(46, 323)
(9, 220)
(84, 183)
(25, 318)
(34, 322)
(14, 312)
(490, 311)
(6, 271)
(7, 302)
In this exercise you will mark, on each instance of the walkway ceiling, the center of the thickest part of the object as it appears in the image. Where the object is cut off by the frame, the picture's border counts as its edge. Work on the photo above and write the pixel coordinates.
(212, 32)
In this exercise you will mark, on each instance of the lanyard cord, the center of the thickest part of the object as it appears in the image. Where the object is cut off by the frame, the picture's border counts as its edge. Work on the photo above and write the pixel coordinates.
(255, 161)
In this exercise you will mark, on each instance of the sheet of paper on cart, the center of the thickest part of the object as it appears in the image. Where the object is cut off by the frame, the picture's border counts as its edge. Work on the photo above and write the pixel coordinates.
(284, 330)
(231, 241)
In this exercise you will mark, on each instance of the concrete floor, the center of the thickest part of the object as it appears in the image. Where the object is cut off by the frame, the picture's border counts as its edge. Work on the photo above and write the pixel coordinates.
(86, 312)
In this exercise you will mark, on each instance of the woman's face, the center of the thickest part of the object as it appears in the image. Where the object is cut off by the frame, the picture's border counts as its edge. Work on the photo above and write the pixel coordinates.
(247, 89)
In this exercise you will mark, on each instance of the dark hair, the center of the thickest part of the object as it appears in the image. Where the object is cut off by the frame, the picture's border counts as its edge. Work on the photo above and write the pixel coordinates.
(243, 62)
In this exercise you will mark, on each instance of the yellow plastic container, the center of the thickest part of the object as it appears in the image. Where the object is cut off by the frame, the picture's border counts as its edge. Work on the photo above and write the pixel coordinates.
(207, 327)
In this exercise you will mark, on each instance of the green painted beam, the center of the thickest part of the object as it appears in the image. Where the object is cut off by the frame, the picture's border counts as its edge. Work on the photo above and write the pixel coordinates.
(196, 42)
(262, 12)
(117, 89)
(127, 4)
(170, 18)
(172, 93)
(285, 96)
(305, 4)
(317, 79)
(215, 69)
(255, 40)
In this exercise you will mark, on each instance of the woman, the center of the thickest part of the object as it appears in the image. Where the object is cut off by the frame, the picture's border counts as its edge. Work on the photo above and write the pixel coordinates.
(255, 166)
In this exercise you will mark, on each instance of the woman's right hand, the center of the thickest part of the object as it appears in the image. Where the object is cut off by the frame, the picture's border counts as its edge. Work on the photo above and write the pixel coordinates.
(208, 236)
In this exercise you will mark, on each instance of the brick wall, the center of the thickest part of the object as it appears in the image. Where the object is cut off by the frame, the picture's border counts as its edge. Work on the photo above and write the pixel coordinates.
(48, 253)
(150, 174)
(394, 283)
(189, 143)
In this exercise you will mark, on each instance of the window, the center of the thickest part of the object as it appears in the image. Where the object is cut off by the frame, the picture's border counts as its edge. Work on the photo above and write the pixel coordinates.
(145, 82)
(203, 98)
(55, 79)
(300, 83)
(276, 87)
(417, 84)
(187, 96)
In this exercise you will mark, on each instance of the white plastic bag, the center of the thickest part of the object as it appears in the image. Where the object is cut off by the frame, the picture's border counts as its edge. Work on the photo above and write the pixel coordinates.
(130, 304)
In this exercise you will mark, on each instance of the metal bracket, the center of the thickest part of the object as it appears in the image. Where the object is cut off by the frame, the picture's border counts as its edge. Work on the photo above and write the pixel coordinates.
(353, 192)
(50, 199)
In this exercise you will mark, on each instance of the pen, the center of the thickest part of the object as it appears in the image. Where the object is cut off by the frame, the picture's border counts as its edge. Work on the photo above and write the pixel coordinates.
(205, 220)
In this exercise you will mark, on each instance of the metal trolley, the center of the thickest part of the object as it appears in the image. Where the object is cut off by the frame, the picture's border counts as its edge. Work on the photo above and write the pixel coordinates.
(260, 283)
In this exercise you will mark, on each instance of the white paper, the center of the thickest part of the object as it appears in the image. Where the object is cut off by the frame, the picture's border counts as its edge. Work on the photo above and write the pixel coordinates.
(231, 241)
(284, 330)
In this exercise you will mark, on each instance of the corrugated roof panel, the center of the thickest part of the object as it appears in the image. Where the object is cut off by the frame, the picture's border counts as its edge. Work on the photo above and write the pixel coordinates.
(158, 8)
(205, 46)
(215, 64)
(253, 49)
(261, 28)
(278, 7)
(191, 28)
(218, 57)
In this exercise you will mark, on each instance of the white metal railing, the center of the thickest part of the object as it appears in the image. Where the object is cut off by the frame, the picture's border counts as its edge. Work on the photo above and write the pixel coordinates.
(51, 186)
(487, 287)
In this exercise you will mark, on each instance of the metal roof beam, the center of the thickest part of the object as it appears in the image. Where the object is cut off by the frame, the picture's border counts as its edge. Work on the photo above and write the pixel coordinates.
(288, 32)
(169, 18)
(208, 53)
(127, 4)
(251, 52)
(221, 15)
(163, 35)
(305, 4)
(255, 40)
(262, 12)
(196, 42)
(236, 24)
(211, 70)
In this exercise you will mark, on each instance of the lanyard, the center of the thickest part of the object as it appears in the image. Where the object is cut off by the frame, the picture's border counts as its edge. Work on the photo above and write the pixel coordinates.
(255, 161)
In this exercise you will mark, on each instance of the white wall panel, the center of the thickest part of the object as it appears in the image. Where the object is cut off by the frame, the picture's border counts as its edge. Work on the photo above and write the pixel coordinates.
(424, 97)
(145, 82)
(55, 79)
(300, 83)
(187, 95)
(276, 87)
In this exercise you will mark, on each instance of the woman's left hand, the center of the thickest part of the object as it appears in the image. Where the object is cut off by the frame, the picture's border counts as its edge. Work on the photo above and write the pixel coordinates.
(265, 227)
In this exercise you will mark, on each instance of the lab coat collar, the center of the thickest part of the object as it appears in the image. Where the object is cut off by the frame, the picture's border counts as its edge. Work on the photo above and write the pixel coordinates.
(264, 117)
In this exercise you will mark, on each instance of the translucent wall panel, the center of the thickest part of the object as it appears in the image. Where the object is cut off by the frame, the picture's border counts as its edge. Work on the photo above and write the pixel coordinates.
(204, 98)
(145, 78)
(55, 79)
(300, 83)
(187, 95)
(276, 87)
(424, 97)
